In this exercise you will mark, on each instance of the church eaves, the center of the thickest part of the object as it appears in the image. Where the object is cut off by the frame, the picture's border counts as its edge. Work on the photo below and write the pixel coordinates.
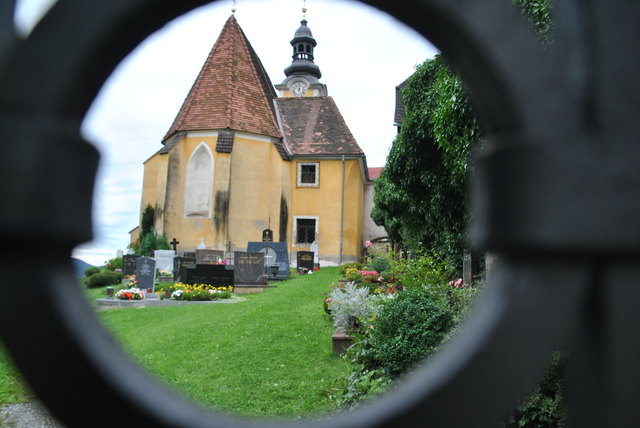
(313, 126)
(232, 91)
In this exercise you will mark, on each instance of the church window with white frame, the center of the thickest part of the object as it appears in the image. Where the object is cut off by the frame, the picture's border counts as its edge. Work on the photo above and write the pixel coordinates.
(308, 174)
(305, 230)
(199, 183)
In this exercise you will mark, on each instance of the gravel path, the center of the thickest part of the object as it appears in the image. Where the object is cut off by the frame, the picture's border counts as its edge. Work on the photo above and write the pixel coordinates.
(28, 415)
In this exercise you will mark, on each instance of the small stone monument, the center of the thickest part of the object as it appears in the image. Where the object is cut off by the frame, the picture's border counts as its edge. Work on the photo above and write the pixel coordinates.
(208, 257)
(164, 260)
(470, 267)
(146, 273)
(129, 263)
(249, 268)
(316, 257)
(305, 261)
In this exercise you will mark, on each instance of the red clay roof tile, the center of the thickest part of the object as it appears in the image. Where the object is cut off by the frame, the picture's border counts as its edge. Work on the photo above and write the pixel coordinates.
(314, 126)
(232, 91)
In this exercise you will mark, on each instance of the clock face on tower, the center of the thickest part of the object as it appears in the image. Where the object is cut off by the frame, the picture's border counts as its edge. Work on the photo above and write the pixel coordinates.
(299, 88)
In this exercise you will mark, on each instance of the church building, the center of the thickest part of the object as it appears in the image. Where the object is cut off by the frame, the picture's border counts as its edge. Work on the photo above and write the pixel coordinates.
(244, 156)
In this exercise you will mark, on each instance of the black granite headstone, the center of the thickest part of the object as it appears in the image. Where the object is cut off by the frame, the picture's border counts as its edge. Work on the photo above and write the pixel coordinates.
(179, 263)
(214, 275)
(129, 263)
(209, 257)
(305, 259)
(146, 273)
(249, 268)
(191, 254)
(273, 250)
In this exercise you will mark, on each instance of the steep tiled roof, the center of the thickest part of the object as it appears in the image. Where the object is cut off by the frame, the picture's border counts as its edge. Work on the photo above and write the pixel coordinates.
(374, 172)
(314, 126)
(232, 91)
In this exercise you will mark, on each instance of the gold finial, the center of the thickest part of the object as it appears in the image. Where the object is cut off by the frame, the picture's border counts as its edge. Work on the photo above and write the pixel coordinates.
(304, 9)
(233, 9)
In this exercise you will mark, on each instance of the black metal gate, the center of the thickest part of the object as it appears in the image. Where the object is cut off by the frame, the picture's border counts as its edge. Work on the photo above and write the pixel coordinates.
(557, 199)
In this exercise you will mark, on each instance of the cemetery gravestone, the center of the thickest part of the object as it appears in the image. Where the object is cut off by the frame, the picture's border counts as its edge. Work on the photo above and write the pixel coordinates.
(208, 257)
(249, 268)
(214, 275)
(129, 263)
(191, 254)
(276, 253)
(164, 260)
(470, 267)
(316, 258)
(182, 262)
(146, 273)
(305, 260)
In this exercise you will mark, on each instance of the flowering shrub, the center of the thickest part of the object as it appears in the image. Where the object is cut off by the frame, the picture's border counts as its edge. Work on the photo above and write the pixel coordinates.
(132, 281)
(353, 301)
(327, 304)
(458, 283)
(130, 294)
(201, 292)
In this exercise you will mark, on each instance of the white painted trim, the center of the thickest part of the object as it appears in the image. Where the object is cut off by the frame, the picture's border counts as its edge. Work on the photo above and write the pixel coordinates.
(201, 134)
(299, 174)
(248, 135)
(188, 178)
(294, 237)
(257, 137)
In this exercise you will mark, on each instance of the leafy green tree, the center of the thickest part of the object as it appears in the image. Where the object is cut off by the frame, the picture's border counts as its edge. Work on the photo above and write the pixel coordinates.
(420, 197)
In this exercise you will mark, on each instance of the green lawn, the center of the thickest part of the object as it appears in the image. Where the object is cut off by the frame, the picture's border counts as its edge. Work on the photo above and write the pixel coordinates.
(269, 356)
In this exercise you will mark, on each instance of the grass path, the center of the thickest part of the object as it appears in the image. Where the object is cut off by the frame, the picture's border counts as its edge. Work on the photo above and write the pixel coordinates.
(269, 356)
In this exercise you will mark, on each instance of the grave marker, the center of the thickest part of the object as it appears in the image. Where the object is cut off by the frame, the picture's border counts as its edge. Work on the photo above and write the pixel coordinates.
(164, 260)
(305, 260)
(267, 235)
(276, 253)
(146, 273)
(214, 275)
(470, 267)
(179, 263)
(129, 263)
(208, 257)
(249, 268)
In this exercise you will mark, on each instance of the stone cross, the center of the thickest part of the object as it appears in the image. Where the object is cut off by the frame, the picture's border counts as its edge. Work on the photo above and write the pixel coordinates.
(174, 244)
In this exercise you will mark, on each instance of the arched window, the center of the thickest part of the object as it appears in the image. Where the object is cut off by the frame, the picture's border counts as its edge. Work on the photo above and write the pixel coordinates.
(199, 185)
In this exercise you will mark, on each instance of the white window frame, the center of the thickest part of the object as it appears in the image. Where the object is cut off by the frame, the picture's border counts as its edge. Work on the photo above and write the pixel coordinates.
(188, 182)
(295, 242)
(316, 183)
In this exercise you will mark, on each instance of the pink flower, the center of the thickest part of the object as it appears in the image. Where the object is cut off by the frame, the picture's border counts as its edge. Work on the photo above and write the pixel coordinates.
(368, 244)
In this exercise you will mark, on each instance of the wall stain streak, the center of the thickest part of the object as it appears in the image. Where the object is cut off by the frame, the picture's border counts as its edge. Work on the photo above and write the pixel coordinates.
(221, 211)
(284, 219)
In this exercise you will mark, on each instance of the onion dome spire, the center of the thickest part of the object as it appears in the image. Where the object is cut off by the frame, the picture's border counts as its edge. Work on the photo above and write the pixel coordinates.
(303, 44)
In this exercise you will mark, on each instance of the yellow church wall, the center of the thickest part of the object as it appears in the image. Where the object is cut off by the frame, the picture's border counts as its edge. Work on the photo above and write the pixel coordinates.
(324, 202)
(245, 198)
(255, 192)
(189, 231)
(153, 185)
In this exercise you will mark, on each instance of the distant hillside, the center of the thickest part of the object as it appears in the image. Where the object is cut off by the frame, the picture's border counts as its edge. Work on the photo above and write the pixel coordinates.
(79, 266)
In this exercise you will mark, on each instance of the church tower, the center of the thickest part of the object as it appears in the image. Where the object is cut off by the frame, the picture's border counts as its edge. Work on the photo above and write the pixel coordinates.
(303, 73)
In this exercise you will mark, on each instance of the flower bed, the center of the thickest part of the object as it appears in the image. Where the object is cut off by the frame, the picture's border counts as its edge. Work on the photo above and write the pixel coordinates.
(200, 292)
(130, 294)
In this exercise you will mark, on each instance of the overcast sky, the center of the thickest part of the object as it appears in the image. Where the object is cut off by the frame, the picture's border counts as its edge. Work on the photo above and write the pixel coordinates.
(362, 53)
